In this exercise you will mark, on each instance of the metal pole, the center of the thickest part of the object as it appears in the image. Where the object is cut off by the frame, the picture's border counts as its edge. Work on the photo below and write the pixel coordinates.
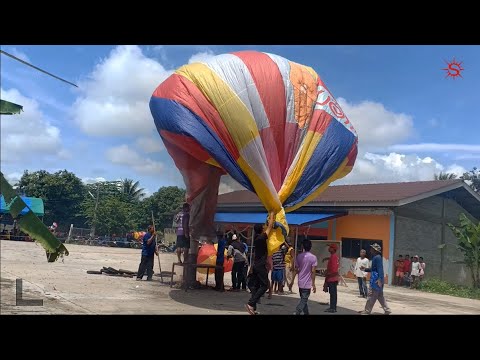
(92, 232)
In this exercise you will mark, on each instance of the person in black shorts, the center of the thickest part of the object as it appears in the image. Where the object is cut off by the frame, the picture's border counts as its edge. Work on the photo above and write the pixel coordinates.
(259, 272)
(181, 223)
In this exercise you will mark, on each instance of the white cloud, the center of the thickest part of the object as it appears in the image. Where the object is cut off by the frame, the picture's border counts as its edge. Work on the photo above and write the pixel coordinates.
(123, 155)
(379, 128)
(13, 177)
(114, 100)
(150, 145)
(394, 167)
(432, 147)
(28, 135)
(19, 54)
(468, 157)
(90, 180)
(376, 126)
(201, 57)
(228, 184)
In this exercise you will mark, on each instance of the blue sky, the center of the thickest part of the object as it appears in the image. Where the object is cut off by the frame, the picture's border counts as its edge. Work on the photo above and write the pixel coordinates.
(411, 120)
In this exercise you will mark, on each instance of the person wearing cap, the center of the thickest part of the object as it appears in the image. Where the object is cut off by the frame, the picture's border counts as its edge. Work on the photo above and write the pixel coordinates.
(331, 278)
(377, 281)
(415, 272)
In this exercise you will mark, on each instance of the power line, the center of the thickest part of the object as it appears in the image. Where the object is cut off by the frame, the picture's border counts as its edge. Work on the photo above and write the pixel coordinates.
(37, 68)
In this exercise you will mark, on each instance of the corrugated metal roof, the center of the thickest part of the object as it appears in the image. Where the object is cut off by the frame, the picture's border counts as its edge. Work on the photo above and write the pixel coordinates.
(386, 192)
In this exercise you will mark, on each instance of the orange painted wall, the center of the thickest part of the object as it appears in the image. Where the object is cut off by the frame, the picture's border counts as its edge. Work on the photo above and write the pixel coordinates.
(374, 227)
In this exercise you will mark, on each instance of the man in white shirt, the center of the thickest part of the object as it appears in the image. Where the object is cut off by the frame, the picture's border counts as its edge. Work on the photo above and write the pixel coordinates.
(362, 262)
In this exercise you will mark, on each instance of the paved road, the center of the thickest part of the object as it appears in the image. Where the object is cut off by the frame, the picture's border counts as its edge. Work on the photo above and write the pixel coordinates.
(66, 288)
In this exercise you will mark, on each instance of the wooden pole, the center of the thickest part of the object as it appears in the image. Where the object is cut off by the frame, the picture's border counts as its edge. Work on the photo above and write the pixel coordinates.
(156, 249)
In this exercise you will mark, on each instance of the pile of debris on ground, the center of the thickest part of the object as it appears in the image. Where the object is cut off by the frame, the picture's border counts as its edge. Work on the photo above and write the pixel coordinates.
(121, 272)
(113, 272)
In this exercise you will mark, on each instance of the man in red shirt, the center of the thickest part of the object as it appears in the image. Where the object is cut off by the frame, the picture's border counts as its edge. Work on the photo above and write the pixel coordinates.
(331, 278)
(406, 269)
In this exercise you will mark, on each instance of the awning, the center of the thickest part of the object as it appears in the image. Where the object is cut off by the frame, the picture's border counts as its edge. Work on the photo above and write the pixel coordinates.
(35, 204)
(260, 218)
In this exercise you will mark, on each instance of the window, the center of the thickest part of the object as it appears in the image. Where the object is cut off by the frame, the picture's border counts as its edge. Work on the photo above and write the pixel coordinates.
(351, 247)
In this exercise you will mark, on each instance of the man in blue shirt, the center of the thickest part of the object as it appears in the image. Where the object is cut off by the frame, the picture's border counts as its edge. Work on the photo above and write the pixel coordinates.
(377, 281)
(222, 243)
(148, 255)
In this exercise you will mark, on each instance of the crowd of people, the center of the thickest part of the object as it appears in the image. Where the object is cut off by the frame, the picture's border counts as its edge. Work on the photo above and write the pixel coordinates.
(14, 234)
(408, 272)
(261, 274)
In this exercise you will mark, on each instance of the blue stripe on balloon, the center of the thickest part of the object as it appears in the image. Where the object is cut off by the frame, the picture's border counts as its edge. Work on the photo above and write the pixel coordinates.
(174, 117)
(329, 154)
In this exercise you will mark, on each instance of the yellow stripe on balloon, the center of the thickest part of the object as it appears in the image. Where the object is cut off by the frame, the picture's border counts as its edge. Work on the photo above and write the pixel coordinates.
(236, 117)
(213, 162)
(269, 200)
(338, 174)
(239, 121)
(276, 239)
(310, 143)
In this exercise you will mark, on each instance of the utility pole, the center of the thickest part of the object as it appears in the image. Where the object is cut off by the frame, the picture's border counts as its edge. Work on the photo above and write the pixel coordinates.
(92, 232)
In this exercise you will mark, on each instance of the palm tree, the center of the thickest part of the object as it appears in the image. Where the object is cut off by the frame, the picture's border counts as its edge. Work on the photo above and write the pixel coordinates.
(132, 190)
(445, 176)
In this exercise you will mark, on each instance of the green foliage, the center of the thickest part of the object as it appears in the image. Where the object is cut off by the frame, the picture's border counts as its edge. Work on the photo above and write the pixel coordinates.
(442, 287)
(122, 205)
(468, 235)
(445, 176)
(31, 224)
(114, 215)
(132, 190)
(62, 194)
(473, 178)
(164, 203)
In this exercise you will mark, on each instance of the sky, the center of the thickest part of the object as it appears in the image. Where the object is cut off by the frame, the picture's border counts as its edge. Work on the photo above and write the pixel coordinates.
(412, 120)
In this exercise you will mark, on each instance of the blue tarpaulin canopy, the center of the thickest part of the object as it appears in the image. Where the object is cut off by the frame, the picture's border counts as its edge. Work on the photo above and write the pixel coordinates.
(260, 218)
(35, 204)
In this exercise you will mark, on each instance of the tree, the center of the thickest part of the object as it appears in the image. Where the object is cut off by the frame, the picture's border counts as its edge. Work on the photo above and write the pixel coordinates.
(132, 190)
(62, 193)
(164, 203)
(113, 215)
(472, 178)
(468, 235)
(445, 176)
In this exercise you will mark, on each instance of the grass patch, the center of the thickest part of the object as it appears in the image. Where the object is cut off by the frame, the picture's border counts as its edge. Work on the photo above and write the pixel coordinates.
(442, 287)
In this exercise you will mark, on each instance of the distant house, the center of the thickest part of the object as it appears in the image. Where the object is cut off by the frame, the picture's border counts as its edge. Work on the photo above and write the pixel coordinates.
(404, 218)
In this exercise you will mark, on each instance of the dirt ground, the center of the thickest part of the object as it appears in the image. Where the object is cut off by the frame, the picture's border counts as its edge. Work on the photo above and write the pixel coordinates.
(66, 288)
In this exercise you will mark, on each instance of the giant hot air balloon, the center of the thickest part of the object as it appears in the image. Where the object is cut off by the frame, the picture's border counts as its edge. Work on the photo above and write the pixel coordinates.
(270, 123)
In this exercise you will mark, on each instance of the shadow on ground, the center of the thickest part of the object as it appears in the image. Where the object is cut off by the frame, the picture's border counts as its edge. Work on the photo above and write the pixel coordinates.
(234, 302)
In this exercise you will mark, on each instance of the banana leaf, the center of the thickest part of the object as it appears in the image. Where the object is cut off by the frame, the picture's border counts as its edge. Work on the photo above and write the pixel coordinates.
(8, 108)
(31, 224)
